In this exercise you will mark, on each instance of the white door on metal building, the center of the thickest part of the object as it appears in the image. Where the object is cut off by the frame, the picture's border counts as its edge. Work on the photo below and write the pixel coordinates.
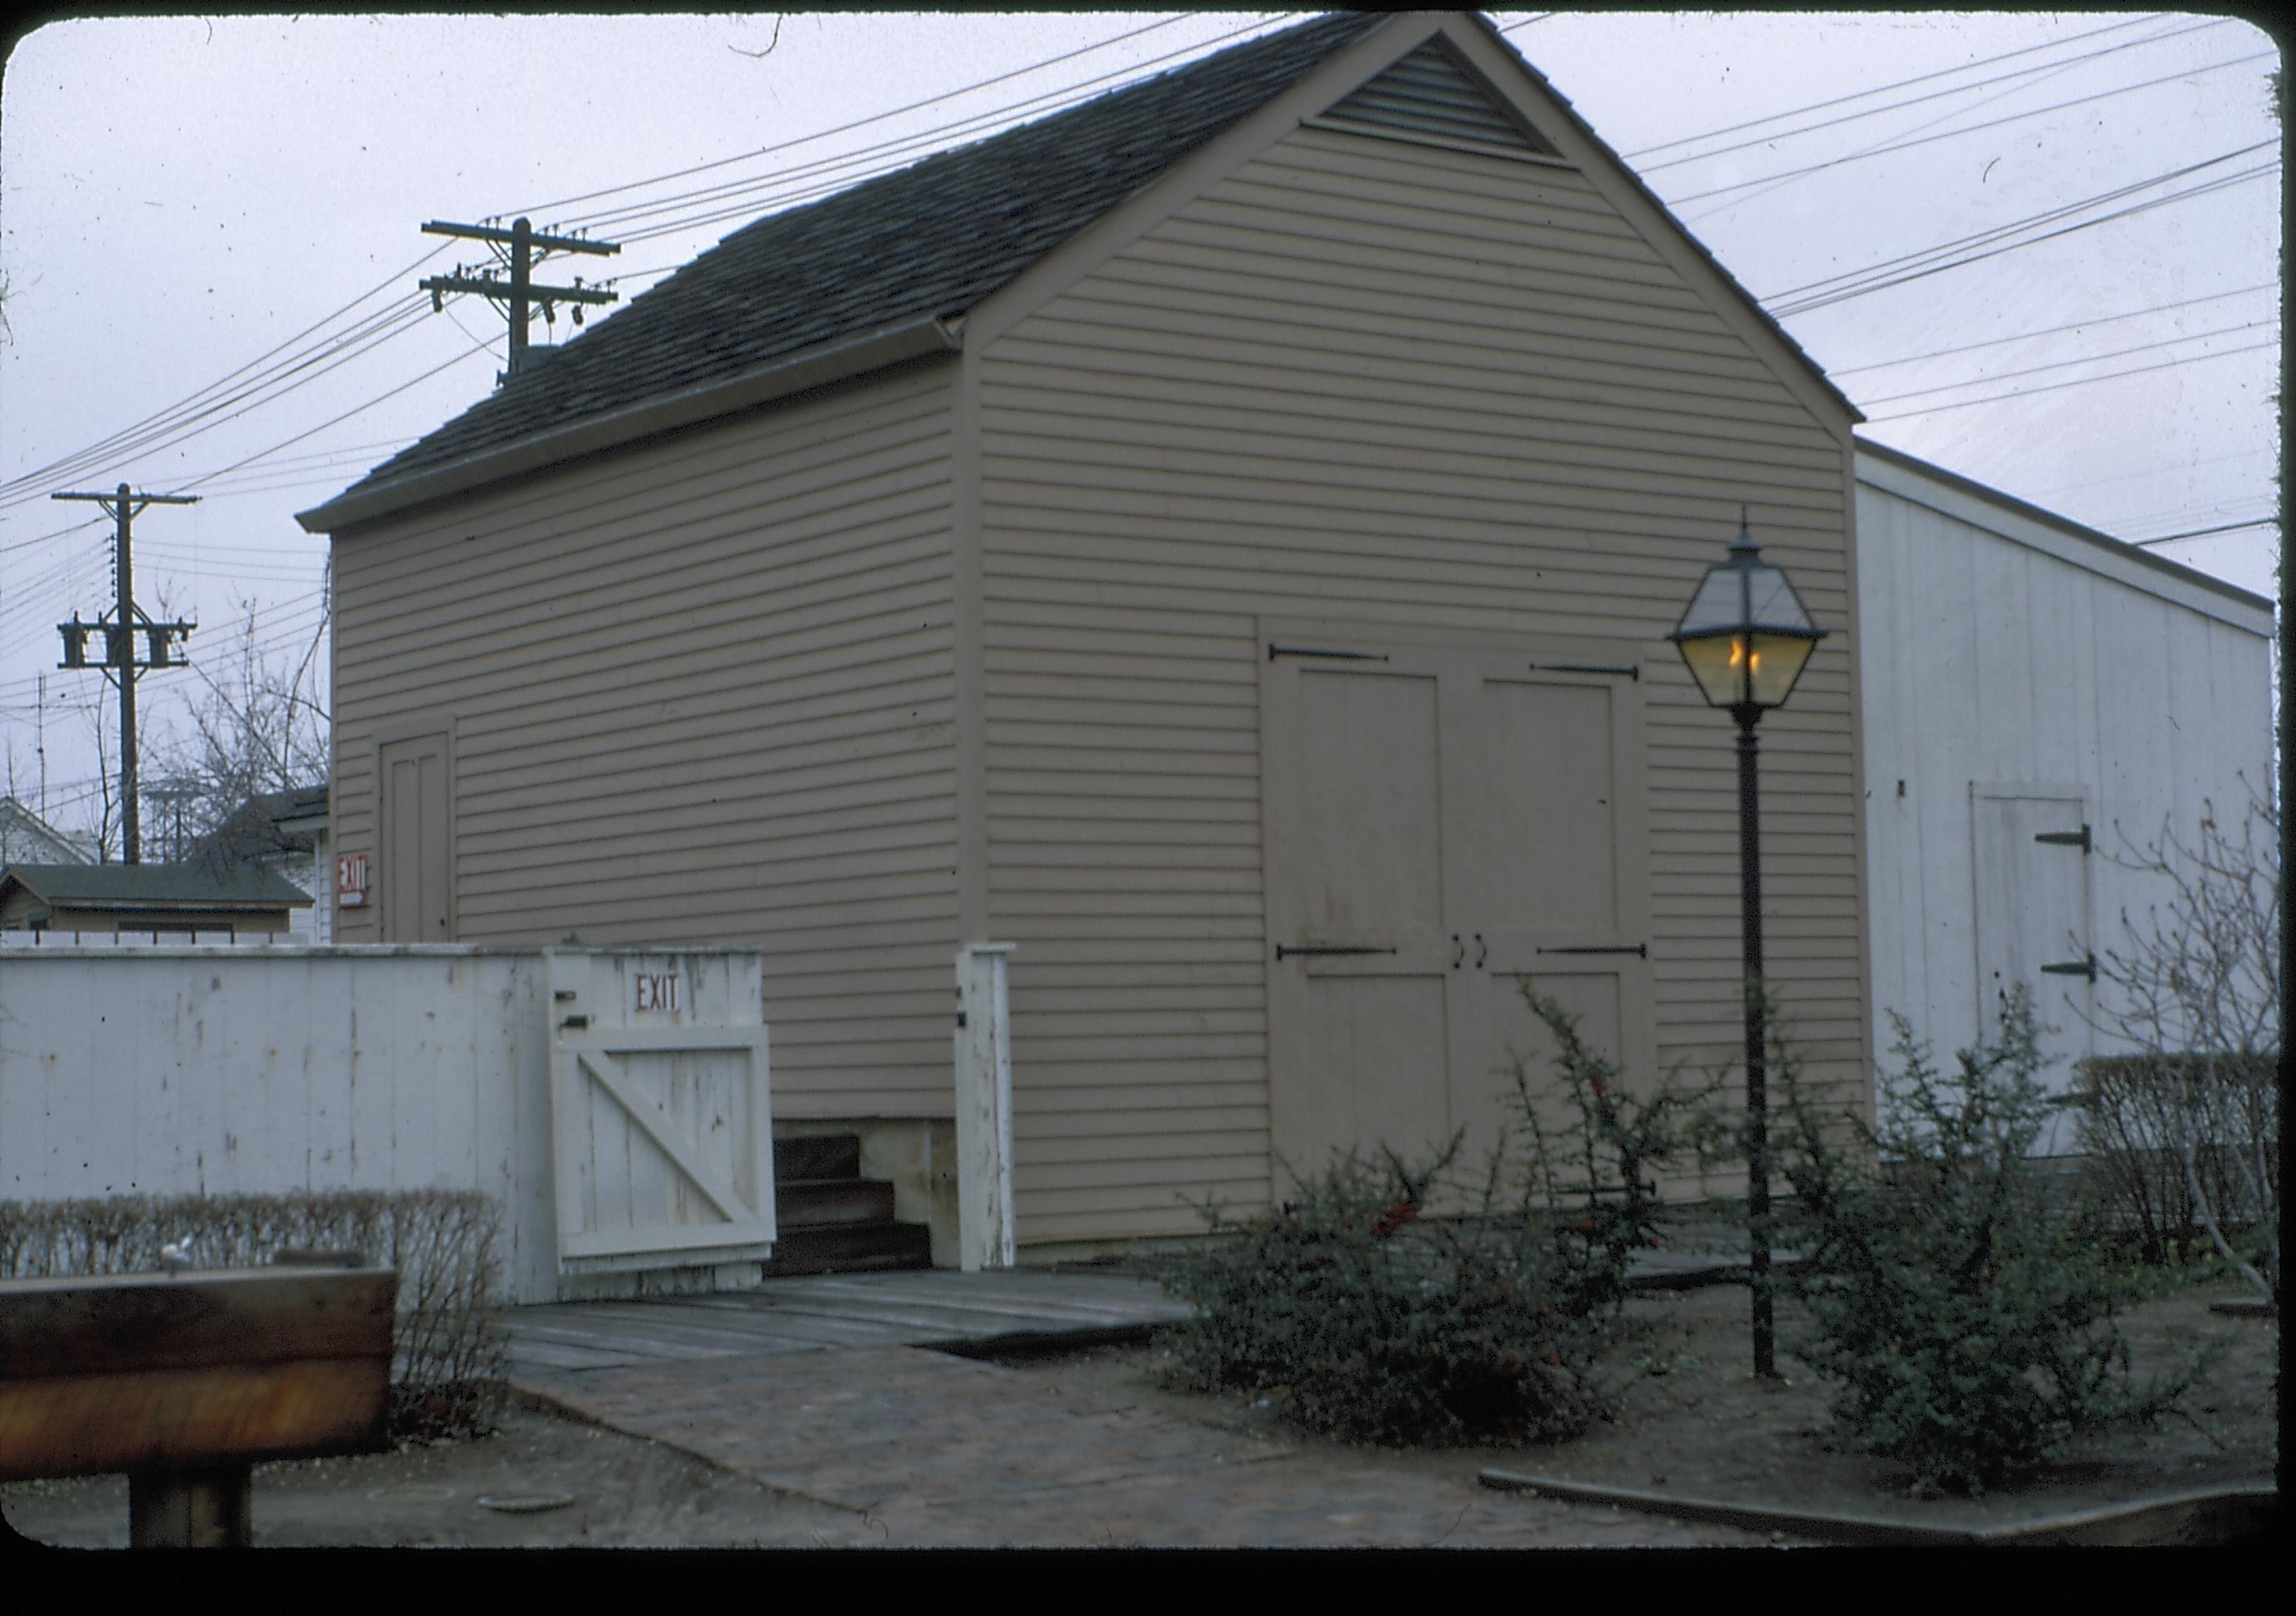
(1442, 822)
(2031, 846)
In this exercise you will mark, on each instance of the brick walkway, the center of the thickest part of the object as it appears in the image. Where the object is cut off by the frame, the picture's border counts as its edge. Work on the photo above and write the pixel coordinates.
(927, 1449)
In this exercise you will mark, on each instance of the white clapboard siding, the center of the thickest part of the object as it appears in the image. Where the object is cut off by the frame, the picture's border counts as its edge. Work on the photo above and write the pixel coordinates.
(701, 689)
(1359, 380)
(2009, 648)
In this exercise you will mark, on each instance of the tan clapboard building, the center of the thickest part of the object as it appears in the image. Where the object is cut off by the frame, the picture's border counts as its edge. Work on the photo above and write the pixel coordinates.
(1219, 539)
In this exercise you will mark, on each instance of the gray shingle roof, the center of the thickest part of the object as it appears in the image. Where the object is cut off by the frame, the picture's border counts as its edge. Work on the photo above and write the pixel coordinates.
(929, 240)
(144, 885)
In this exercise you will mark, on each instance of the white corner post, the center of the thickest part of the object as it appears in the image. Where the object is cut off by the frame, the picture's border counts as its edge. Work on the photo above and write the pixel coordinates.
(984, 1109)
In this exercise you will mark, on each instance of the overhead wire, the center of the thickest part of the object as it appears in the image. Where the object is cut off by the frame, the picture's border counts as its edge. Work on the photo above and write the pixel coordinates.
(2142, 347)
(1889, 148)
(1982, 244)
(722, 162)
(2230, 527)
(2040, 70)
(1839, 371)
(2052, 387)
(828, 175)
(1836, 101)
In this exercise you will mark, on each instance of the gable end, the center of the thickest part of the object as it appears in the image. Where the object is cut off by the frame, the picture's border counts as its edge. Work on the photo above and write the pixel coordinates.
(1431, 94)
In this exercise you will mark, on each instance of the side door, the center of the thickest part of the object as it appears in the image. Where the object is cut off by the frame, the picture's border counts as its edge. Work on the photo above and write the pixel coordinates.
(2030, 848)
(417, 839)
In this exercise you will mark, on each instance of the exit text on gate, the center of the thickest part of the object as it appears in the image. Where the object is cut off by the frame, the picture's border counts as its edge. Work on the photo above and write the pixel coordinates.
(654, 991)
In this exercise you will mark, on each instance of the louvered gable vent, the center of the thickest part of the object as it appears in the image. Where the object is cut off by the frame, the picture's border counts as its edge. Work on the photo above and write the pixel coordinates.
(1429, 93)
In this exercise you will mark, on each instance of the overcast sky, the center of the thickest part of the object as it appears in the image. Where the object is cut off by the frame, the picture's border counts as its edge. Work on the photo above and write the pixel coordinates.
(209, 241)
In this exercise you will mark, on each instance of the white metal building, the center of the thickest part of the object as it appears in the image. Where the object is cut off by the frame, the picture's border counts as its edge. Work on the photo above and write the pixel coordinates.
(2038, 698)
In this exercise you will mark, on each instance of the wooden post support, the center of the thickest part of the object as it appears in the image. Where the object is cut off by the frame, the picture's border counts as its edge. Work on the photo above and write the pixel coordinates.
(207, 1507)
(984, 1109)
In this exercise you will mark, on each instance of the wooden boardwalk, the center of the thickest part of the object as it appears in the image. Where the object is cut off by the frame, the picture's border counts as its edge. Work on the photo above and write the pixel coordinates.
(908, 1308)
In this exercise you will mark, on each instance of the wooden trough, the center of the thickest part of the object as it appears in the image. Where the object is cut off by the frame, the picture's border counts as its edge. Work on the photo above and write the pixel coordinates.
(184, 1381)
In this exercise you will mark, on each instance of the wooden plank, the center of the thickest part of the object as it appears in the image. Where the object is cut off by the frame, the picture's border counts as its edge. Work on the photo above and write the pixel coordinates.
(98, 1424)
(76, 1325)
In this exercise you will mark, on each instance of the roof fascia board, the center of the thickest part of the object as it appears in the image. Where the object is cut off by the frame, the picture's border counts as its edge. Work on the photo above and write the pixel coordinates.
(829, 362)
(1189, 178)
(2002, 515)
(1549, 111)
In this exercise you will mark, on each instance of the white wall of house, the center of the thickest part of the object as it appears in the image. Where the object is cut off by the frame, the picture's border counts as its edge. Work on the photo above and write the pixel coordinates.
(2025, 677)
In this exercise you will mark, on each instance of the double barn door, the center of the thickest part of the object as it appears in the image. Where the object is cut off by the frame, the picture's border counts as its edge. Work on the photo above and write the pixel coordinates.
(1443, 823)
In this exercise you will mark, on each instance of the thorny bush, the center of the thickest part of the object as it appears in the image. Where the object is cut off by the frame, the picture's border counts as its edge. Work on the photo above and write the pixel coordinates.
(1965, 1314)
(1370, 1315)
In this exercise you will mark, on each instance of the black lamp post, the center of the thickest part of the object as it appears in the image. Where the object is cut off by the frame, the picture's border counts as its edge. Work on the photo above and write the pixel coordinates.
(1746, 638)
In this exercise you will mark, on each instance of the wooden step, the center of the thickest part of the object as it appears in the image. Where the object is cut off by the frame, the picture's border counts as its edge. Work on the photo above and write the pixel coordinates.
(818, 1156)
(805, 1204)
(851, 1248)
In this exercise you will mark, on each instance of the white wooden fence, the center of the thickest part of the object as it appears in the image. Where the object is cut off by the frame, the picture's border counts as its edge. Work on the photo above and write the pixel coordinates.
(175, 1071)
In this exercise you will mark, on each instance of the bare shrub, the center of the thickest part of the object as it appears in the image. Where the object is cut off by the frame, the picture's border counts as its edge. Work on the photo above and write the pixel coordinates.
(2196, 990)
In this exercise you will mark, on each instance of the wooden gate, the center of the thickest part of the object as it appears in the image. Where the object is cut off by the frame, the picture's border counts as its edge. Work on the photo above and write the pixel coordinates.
(659, 1114)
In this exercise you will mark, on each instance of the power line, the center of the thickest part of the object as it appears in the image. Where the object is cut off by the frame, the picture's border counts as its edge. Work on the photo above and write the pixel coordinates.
(2142, 347)
(106, 447)
(2048, 330)
(827, 175)
(2043, 71)
(1998, 231)
(2052, 387)
(199, 409)
(1887, 148)
(2230, 527)
(1819, 106)
(722, 162)
(1915, 265)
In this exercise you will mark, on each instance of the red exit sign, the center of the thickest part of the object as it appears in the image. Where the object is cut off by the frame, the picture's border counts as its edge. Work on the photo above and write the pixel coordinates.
(350, 880)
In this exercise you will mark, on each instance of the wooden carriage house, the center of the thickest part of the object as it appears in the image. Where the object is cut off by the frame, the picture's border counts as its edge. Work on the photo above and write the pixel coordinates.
(1219, 540)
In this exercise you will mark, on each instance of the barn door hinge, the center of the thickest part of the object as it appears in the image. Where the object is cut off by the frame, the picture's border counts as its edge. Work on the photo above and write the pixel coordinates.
(1639, 950)
(1275, 651)
(2073, 967)
(1285, 951)
(1631, 673)
(2065, 839)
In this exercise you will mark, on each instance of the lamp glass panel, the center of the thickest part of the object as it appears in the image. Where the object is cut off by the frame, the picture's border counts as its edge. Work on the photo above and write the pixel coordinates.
(1776, 661)
(1719, 605)
(1718, 662)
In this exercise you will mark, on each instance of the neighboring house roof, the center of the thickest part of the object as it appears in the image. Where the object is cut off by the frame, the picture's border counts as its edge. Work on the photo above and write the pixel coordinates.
(152, 887)
(2103, 546)
(27, 837)
(921, 245)
(266, 826)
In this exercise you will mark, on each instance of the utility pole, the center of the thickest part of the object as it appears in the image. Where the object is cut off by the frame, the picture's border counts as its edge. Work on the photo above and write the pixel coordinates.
(120, 629)
(520, 250)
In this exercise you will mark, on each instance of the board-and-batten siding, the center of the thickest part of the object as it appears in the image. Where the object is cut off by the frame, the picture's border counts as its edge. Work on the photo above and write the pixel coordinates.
(1359, 380)
(699, 691)
(2152, 704)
